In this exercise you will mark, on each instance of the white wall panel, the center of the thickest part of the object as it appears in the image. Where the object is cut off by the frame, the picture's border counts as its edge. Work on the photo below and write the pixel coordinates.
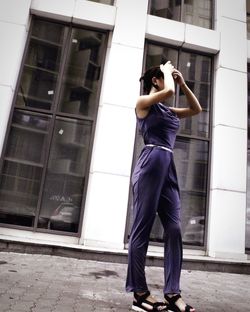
(6, 95)
(59, 9)
(16, 12)
(114, 140)
(230, 92)
(226, 233)
(12, 38)
(165, 30)
(105, 212)
(229, 159)
(94, 14)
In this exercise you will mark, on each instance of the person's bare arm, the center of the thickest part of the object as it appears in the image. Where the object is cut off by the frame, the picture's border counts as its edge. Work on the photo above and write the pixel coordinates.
(194, 106)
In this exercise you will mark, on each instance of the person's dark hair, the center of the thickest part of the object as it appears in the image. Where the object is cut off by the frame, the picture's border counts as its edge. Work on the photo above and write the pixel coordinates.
(147, 78)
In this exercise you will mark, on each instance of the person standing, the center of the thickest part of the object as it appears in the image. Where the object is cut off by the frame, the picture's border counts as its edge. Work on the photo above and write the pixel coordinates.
(155, 188)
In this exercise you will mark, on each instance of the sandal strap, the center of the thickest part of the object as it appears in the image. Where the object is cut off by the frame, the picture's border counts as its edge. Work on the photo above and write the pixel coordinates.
(141, 298)
(172, 300)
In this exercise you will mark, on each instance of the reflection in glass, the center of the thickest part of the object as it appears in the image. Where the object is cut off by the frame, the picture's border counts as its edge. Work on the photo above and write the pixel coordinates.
(198, 12)
(41, 66)
(82, 73)
(22, 168)
(196, 70)
(195, 12)
(65, 177)
(170, 9)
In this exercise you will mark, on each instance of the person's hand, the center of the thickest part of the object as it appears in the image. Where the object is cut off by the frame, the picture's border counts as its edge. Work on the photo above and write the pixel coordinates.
(167, 67)
(177, 75)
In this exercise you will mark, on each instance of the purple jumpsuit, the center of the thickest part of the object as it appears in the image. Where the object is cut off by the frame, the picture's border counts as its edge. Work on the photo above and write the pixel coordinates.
(155, 190)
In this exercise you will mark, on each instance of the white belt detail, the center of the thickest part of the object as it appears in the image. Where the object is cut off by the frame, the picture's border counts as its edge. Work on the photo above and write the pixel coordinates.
(159, 146)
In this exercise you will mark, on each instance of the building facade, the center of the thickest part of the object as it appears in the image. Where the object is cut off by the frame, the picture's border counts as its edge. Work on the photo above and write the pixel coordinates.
(69, 81)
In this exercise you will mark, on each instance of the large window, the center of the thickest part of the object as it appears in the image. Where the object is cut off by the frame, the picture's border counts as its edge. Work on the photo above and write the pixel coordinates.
(191, 152)
(195, 12)
(44, 166)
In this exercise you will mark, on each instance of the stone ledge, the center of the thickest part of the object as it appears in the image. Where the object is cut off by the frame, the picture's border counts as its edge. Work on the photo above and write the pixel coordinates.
(200, 263)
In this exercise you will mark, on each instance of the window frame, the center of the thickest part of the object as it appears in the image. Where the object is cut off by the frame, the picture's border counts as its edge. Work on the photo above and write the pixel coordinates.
(206, 139)
(54, 113)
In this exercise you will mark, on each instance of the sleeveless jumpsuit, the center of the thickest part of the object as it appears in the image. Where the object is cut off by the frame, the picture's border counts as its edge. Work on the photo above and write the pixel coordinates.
(156, 190)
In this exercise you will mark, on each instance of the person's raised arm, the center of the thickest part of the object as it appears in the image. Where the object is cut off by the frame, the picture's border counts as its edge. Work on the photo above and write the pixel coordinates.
(194, 106)
(160, 91)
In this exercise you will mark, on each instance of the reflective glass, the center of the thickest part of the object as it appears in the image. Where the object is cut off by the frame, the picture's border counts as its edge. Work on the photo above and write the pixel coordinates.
(41, 66)
(22, 168)
(65, 176)
(170, 9)
(196, 70)
(81, 77)
(198, 12)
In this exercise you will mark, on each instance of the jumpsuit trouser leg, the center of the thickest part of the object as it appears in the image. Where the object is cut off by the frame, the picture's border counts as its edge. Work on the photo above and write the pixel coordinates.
(155, 189)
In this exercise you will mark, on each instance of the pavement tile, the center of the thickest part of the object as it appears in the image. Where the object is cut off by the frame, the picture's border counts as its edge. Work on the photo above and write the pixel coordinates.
(44, 283)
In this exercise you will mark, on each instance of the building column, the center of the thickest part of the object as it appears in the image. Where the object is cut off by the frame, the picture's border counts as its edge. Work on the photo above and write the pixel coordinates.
(108, 188)
(227, 208)
(14, 18)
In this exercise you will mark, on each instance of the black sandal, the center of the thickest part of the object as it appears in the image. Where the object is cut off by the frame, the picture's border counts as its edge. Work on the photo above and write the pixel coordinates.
(141, 304)
(173, 307)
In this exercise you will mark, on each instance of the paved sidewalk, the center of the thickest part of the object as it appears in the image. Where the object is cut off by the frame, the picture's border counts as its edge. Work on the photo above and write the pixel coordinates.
(42, 283)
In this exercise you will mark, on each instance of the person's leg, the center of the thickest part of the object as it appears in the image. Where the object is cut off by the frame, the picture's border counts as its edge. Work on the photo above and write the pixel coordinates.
(169, 213)
(147, 183)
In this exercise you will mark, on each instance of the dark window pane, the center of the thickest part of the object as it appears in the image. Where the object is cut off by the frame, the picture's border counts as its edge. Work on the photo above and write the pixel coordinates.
(41, 66)
(81, 77)
(196, 70)
(170, 9)
(198, 12)
(158, 54)
(22, 168)
(52, 33)
(65, 176)
(27, 139)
